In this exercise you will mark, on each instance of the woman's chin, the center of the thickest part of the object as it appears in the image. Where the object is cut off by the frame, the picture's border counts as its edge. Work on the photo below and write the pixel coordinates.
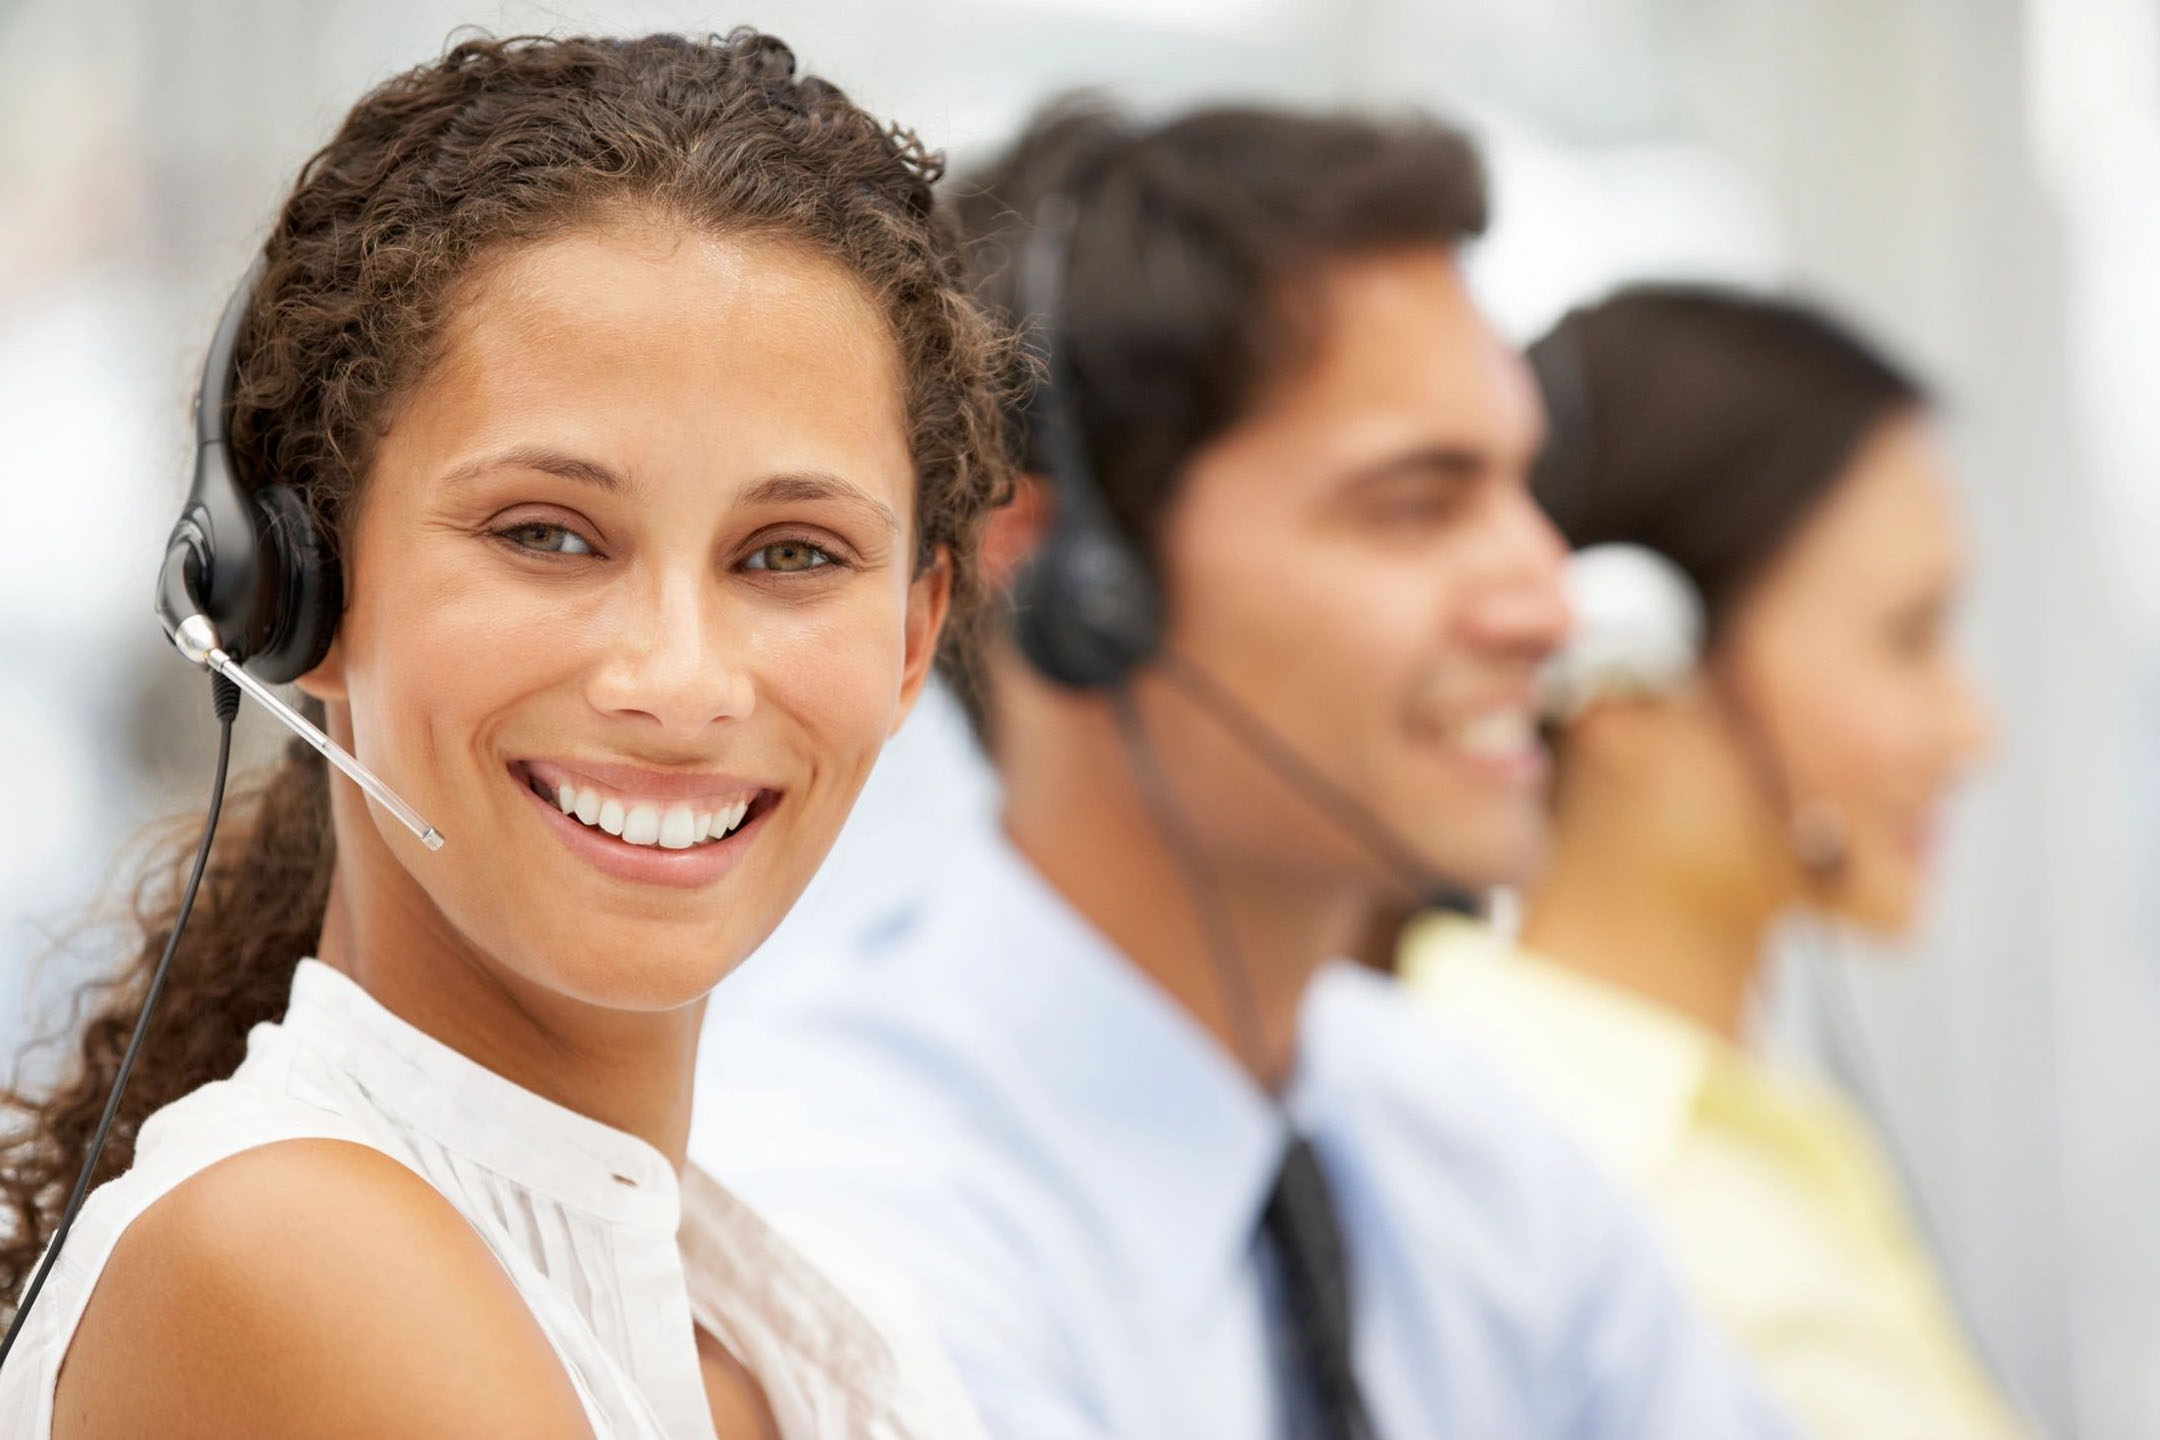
(646, 979)
(628, 962)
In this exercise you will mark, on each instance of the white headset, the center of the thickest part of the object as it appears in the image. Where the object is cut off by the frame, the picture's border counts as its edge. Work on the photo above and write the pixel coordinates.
(1638, 630)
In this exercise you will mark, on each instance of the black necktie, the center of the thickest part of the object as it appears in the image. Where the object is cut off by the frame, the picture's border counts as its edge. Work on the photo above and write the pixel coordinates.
(1300, 1229)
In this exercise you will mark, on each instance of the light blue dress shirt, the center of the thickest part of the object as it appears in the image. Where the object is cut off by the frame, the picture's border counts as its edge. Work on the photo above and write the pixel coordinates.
(984, 1091)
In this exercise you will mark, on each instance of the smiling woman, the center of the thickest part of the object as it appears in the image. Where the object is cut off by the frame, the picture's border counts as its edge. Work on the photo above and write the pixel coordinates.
(632, 381)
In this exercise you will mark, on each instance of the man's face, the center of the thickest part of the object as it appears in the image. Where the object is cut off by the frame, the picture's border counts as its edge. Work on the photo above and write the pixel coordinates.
(1360, 563)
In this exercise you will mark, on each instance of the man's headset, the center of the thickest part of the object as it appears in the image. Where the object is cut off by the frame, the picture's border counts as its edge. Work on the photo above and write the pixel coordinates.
(1086, 611)
(1087, 615)
(247, 580)
(1086, 608)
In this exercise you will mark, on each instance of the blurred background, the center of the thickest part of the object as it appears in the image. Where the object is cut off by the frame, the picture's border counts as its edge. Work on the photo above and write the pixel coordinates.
(1975, 181)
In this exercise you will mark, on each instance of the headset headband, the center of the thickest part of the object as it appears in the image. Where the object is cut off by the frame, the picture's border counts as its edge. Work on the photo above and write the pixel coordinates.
(1085, 609)
(208, 567)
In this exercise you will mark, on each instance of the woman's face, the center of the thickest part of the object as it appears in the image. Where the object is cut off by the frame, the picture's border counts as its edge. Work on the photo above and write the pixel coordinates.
(631, 606)
(1843, 656)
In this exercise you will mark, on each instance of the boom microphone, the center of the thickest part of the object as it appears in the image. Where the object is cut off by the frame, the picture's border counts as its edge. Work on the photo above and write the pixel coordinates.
(1352, 815)
(196, 639)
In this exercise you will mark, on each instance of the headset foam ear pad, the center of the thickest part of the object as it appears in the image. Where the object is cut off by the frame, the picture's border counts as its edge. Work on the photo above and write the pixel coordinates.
(1085, 613)
(308, 583)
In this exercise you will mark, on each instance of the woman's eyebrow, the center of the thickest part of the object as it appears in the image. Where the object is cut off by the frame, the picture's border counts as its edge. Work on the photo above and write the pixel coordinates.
(797, 486)
(544, 460)
(793, 487)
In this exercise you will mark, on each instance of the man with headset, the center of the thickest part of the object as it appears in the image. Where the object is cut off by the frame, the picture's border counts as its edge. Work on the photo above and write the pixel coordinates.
(1278, 596)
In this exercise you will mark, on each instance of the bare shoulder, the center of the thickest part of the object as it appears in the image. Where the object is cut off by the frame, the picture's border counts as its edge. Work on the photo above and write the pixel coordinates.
(309, 1287)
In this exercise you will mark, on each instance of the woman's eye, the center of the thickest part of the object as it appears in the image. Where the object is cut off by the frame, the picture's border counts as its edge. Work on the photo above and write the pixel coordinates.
(788, 555)
(550, 539)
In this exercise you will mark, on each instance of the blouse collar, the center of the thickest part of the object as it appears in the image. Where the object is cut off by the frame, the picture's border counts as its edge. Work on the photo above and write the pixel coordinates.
(419, 1081)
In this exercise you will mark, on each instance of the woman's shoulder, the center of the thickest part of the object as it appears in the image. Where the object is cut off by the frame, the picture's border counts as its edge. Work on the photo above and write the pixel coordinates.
(310, 1285)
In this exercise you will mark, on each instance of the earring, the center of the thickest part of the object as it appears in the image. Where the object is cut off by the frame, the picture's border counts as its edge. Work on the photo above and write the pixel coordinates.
(1818, 837)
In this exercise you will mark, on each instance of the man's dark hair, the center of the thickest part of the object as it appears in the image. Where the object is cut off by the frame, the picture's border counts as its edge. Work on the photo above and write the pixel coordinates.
(1196, 250)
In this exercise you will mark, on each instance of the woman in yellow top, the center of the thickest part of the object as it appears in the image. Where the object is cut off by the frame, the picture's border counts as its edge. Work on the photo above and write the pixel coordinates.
(1791, 757)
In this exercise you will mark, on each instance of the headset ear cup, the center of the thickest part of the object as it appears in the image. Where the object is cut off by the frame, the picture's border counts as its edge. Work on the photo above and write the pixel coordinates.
(1085, 613)
(308, 583)
(1034, 618)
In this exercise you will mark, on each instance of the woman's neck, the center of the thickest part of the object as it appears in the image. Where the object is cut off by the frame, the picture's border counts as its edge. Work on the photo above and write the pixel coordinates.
(631, 1071)
(1695, 951)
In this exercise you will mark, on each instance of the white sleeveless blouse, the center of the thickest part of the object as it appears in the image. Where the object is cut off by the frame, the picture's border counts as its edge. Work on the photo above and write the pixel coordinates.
(615, 1254)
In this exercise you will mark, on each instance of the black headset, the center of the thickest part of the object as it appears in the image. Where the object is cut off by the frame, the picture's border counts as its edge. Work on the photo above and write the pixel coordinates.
(1086, 610)
(1086, 606)
(246, 577)
(254, 565)
(1087, 615)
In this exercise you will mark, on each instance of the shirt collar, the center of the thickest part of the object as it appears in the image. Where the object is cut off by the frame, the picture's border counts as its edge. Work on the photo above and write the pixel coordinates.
(1626, 1076)
(419, 1081)
(1166, 1139)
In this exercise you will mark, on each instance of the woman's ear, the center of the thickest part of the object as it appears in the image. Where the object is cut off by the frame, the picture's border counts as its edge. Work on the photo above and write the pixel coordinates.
(929, 598)
(326, 682)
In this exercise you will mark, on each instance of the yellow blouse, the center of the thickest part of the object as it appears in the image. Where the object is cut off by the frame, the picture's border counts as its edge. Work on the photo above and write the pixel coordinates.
(1771, 1194)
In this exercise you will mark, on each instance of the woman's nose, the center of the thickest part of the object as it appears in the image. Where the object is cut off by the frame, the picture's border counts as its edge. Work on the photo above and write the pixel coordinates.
(677, 662)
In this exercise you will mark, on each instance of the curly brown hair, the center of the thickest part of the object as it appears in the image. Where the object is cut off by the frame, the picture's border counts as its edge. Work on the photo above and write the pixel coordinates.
(499, 143)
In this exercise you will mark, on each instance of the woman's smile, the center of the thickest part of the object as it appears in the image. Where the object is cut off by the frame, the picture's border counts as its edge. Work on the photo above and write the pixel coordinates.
(654, 827)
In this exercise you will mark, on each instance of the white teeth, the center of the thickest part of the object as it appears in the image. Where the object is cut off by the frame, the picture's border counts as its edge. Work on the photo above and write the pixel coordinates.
(1497, 732)
(649, 822)
(641, 826)
(678, 828)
